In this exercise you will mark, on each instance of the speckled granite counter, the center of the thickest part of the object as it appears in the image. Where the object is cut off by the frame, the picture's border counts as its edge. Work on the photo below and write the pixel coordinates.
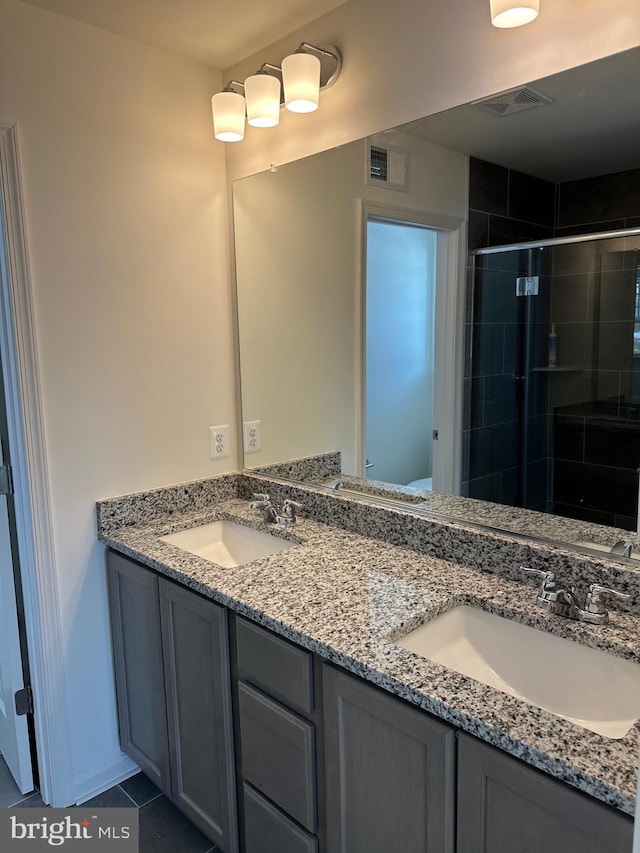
(325, 470)
(345, 596)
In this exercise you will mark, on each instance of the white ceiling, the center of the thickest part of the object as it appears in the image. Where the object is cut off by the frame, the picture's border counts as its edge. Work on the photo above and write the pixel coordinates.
(591, 127)
(219, 33)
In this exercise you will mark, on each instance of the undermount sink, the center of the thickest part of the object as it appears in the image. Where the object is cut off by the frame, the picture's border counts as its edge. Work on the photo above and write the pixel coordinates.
(228, 544)
(591, 688)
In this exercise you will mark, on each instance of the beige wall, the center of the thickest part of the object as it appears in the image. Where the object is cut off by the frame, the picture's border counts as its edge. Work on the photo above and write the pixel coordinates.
(298, 256)
(406, 60)
(125, 202)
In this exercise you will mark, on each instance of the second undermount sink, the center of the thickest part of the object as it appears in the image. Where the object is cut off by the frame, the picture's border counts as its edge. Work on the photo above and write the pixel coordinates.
(227, 543)
(589, 687)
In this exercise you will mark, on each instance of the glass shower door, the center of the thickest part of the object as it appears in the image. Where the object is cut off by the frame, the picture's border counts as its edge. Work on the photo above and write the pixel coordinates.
(553, 379)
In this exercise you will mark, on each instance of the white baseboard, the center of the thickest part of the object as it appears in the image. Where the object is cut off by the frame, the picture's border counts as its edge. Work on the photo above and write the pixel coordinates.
(102, 778)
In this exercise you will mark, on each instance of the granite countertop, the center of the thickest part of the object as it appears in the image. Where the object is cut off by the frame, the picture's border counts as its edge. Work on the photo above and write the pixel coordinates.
(346, 597)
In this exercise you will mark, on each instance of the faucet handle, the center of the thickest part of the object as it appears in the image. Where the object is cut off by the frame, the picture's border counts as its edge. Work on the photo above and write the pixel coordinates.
(288, 515)
(260, 501)
(547, 578)
(594, 602)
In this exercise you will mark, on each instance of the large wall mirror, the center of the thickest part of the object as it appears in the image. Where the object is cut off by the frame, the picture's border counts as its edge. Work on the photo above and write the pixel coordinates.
(424, 303)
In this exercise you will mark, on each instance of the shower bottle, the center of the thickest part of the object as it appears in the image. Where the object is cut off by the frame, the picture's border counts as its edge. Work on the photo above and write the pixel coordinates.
(553, 347)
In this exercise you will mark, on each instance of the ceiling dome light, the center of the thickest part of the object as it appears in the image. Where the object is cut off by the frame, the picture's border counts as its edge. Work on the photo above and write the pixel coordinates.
(228, 116)
(513, 13)
(262, 92)
(301, 81)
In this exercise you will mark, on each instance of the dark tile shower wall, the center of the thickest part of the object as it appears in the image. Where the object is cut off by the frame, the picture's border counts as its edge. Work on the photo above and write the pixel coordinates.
(597, 434)
(506, 206)
(579, 461)
(503, 429)
(595, 408)
(603, 203)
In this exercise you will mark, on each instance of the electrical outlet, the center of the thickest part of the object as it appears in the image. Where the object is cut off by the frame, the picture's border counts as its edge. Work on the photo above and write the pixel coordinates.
(252, 441)
(219, 442)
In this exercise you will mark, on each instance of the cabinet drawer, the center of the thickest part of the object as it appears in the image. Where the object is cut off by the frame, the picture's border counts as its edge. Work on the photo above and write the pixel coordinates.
(278, 755)
(274, 665)
(267, 830)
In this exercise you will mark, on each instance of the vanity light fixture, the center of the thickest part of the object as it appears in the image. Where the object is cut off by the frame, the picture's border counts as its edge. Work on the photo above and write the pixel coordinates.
(301, 81)
(229, 114)
(302, 76)
(262, 94)
(513, 13)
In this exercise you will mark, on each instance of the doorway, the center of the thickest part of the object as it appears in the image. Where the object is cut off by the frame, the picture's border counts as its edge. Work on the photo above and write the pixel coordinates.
(411, 333)
(17, 743)
(400, 351)
(34, 527)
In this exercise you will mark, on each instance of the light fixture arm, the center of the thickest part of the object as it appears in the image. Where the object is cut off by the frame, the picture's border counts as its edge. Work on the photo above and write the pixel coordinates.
(230, 87)
(330, 65)
(330, 62)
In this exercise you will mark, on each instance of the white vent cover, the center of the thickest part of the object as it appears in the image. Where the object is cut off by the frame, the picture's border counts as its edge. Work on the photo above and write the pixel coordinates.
(514, 101)
(387, 166)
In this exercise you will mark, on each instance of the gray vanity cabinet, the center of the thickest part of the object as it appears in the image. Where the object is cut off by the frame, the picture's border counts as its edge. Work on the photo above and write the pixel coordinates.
(505, 806)
(195, 642)
(139, 668)
(390, 772)
(171, 657)
(327, 762)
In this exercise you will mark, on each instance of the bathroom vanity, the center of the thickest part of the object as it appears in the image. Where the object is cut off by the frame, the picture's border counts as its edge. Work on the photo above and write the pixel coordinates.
(273, 704)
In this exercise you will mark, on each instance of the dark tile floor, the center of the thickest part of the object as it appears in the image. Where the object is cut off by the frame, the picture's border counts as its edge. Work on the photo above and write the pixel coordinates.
(163, 829)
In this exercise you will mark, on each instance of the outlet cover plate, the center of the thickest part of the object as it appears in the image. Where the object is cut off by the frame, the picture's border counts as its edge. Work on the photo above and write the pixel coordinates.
(219, 442)
(252, 439)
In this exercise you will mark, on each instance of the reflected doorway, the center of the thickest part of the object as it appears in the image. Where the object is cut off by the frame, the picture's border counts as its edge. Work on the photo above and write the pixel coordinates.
(399, 351)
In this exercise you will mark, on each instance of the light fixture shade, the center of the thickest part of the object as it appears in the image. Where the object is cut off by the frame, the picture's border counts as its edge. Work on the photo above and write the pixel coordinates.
(262, 92)
(301, 81)
(228, 116)
(513, 13)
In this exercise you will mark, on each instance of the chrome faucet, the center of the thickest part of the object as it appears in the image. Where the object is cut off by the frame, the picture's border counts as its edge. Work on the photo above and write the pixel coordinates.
(622, 548)
(564, 601)
(337, 484)
(263, 503)
(287, 515)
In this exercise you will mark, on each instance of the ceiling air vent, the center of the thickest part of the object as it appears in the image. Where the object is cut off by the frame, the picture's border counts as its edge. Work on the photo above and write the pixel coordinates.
(387, 166)
(514, 101)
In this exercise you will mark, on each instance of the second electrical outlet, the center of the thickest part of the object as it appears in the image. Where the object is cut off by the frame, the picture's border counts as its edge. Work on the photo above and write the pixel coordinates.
(219, 441)
(252, 443)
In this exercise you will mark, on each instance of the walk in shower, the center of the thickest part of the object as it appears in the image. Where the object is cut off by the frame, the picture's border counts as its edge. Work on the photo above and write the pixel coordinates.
(552, 418)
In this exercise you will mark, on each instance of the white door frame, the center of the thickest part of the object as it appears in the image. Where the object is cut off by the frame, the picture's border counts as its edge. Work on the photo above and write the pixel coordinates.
(32, 501)
(14, 729)
(449, 337)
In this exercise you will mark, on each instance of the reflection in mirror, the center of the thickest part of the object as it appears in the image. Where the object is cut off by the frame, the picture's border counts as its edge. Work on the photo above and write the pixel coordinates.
(359, 333)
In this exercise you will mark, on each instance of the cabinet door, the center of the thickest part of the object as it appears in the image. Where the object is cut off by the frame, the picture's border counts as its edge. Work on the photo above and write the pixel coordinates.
(389, 772)
(505, 806)
(137, 654)
(196, 658)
